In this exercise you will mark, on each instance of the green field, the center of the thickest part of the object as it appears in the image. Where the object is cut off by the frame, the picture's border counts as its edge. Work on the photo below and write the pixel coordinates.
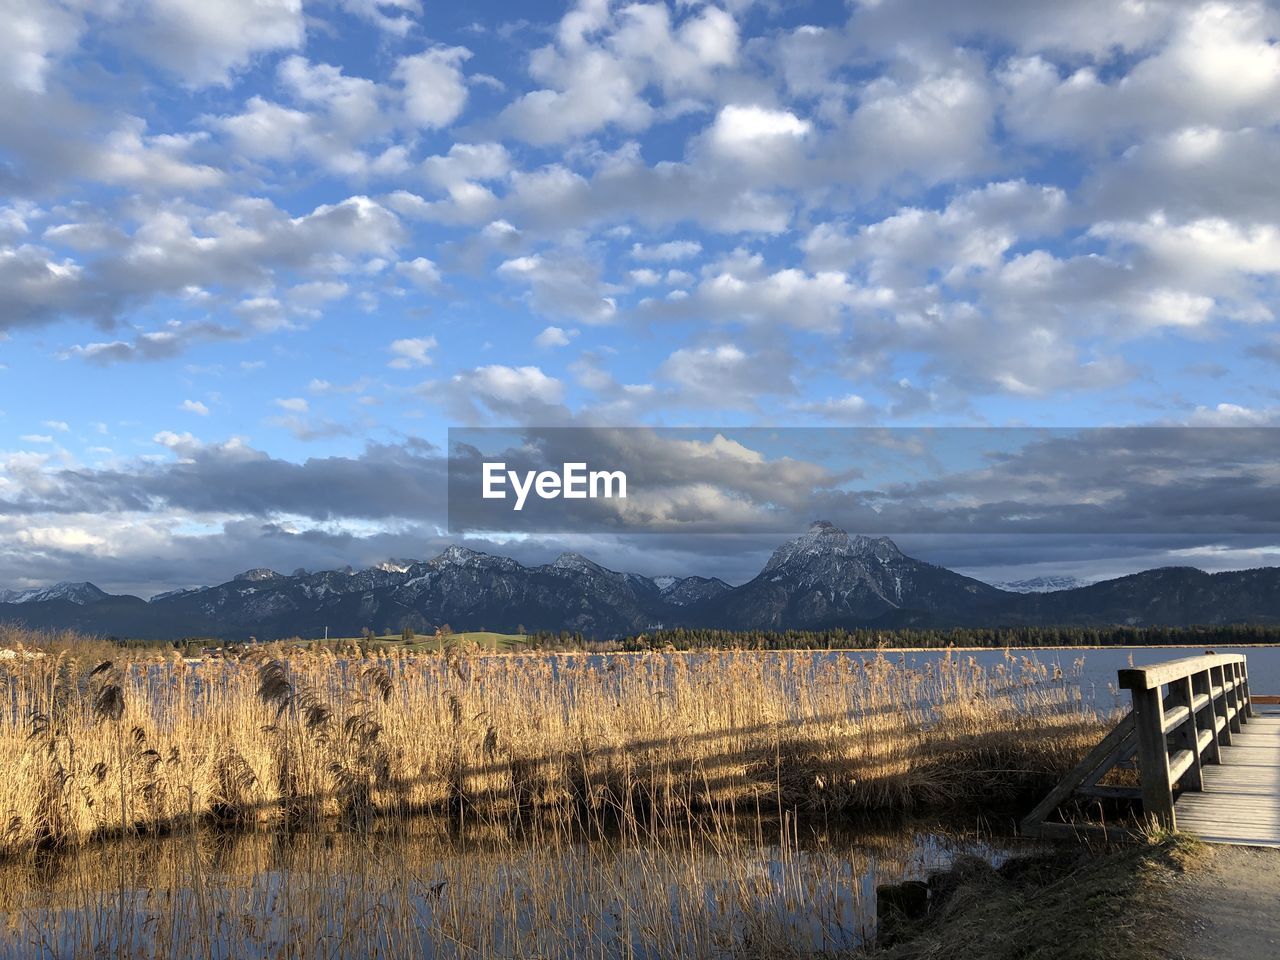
(498, 642)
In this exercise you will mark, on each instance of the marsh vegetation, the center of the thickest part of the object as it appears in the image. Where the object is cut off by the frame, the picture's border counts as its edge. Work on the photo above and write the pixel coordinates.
(649, 805)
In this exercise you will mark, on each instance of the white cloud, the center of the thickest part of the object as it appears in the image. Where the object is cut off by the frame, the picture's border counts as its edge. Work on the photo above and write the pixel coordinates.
(393, 16)
(129, 156)
(1220, 67)
(514, 385)
(563, 285)
(412, 352)
(671, 250)
(35, 35)
(204, 42)
(973, 232)
(851, 408)
(755, 133)
(196, 407)
(741, 289)
(434, 89)
(511, 394)
(353, 105)
(293, 404)
(177, 250)
(1233, 415)
(725, 376)
(597, 73)
(421, 272)
(339, 122)
(467, 162)
(554, 337)
(930, 127)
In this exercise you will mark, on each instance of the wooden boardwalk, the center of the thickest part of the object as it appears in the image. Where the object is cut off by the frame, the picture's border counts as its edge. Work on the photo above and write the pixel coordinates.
(1240, 802)
(1207, 751)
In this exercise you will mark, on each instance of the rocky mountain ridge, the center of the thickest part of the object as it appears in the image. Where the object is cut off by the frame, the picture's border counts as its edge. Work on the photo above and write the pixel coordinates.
(823, 578)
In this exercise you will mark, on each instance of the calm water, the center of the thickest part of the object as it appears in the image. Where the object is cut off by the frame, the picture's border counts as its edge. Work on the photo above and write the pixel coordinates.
(1093, 669)
(1098, 665)
(424, 892)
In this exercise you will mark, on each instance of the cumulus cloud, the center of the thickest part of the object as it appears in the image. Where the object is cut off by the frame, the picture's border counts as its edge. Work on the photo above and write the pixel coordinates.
(434, 89)
(554, 337)
(511, 394)
(563, 285)
(36, 34)
(421, 272)
(1220, 66)
(725, 376)
(171, 250)
(411, 352)
(598, 71)
(203, 42)
(671, 250)
(754, 134)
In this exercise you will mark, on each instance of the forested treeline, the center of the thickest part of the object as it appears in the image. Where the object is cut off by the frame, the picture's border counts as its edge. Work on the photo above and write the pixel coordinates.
(864, 638)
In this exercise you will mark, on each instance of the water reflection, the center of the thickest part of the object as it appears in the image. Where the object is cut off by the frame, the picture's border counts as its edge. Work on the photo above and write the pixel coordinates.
(433, 889)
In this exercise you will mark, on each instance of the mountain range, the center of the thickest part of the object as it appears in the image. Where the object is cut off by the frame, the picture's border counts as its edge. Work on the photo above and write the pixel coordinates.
(822, 579)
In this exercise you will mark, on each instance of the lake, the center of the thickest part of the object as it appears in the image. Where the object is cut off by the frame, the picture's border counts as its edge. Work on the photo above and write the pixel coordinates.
(487, 890)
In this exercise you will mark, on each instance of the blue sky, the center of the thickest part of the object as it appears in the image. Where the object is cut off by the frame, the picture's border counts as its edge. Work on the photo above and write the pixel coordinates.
(255, 238)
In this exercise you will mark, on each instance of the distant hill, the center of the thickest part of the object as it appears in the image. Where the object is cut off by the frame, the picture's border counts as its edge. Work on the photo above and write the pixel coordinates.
(821, 579)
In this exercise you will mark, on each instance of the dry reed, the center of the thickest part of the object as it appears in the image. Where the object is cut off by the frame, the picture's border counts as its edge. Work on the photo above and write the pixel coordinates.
(302, 737)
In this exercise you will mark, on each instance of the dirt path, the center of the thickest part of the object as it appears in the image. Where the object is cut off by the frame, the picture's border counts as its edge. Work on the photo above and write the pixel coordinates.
(1232, 905)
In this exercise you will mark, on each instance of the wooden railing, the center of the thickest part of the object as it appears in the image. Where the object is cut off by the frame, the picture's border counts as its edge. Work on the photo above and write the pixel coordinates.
(1178, 732)
(1170, 734)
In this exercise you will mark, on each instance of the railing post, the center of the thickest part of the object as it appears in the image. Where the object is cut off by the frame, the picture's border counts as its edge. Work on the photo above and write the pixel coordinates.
(1233, 695)
(1202, 683)
(1153, 756)
(1248, 697)
(1187, 735)
(1217, 678)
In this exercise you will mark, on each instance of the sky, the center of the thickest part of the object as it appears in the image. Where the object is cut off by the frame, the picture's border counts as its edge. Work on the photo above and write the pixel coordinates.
(258, 256)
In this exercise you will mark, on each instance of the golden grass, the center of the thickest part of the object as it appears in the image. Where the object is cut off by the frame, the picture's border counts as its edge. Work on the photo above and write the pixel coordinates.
(309, 736)
(428, 889)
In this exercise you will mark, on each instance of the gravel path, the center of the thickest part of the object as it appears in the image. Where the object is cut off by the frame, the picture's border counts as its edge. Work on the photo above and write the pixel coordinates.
(1232, 905)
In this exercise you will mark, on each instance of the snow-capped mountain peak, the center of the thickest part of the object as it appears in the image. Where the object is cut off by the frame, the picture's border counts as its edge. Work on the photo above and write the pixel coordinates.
(1046, 584)
(824, 541)
(257, 574)
(576, 563)
(81, 592)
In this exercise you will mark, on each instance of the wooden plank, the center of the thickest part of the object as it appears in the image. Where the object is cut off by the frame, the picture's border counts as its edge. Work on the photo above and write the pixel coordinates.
(1105, 791)
(1180, 764)
(1085, 831)
(1206, 718)
(1158, 674)
(1095, 759)
(1241, 799)
(1186, 736)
